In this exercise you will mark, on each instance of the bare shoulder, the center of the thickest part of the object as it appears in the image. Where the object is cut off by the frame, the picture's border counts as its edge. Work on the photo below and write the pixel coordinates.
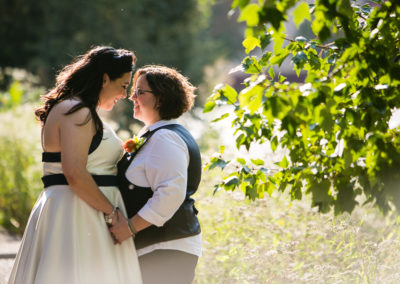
(63, 107)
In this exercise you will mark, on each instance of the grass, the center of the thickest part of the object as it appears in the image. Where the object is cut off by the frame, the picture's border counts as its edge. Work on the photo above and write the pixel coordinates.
(276, 240)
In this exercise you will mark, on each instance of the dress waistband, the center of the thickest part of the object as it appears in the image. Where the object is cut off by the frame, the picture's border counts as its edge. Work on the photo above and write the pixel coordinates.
(59, 179)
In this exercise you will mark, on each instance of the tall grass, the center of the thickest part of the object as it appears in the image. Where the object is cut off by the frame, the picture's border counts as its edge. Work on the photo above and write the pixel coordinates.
(275, 240)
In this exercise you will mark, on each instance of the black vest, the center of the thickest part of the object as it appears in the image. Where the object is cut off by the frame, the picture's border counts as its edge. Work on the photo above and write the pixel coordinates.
(184, 222)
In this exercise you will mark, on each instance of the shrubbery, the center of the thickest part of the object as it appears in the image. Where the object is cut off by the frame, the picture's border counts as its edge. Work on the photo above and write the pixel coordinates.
(20, 167)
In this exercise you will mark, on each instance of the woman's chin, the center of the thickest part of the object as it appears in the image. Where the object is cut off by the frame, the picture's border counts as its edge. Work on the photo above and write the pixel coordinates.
(106, 108)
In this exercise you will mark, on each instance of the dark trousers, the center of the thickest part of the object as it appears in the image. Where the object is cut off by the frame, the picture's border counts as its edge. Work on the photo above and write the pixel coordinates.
(168, 266)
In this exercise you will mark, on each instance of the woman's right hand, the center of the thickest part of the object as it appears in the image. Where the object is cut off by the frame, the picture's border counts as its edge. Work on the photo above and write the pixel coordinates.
(120, 229)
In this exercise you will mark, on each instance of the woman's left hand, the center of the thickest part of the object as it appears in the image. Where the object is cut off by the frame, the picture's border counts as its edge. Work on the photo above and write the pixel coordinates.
(120, 229)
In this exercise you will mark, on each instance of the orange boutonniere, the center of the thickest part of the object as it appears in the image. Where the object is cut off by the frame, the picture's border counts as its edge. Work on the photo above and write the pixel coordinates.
(133, 144)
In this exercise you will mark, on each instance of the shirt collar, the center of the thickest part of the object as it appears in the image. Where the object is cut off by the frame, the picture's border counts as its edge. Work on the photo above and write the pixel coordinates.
(156, 125)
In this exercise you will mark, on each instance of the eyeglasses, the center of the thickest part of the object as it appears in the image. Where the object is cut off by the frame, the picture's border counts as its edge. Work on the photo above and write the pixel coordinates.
(139, 92)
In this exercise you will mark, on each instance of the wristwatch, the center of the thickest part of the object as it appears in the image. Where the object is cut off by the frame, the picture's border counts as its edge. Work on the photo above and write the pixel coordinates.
(108, 218)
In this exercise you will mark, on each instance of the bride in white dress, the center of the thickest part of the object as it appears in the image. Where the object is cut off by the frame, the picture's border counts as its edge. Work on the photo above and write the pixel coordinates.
(67, 239)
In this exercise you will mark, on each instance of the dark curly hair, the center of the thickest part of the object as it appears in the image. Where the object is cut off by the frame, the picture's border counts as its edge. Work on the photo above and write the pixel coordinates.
(173, 91)
(83, 78)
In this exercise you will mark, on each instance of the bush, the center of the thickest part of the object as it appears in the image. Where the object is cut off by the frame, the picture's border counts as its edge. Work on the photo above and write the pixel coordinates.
(20, 168)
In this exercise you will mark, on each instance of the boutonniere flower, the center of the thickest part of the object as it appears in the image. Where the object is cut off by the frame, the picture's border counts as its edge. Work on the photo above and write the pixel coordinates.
(133, 144)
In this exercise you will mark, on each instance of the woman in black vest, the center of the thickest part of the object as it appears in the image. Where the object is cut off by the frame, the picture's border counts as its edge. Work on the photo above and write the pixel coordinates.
(157, 180)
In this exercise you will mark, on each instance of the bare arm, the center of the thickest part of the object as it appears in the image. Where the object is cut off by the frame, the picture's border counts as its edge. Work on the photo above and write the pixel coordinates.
(75, 141)
(121, 229)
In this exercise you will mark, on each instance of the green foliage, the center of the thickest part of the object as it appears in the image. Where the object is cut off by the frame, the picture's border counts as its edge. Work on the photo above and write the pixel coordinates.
(19, 87)
(20, 168)
(12, 97)
(334, 127)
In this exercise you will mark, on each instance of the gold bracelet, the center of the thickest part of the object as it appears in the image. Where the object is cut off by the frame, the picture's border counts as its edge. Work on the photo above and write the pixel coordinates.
(132, 229)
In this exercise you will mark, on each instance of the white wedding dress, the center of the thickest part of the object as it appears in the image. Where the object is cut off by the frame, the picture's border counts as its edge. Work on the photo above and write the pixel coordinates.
(67, 241)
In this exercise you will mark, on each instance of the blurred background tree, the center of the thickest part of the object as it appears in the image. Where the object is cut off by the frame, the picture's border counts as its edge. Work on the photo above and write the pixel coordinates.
(42, 36)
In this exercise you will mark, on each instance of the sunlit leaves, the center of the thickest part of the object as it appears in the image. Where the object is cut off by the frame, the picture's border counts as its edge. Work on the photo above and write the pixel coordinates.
(209, 106)
(251, 97)
(251, 65)
(279, 57)
(333, 130)
(301, 13)
(250, 43)
(250, 15)
(320, 26)
(222, 94)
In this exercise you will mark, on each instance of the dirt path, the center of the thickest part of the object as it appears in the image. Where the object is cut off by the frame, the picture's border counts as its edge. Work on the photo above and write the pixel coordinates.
(8, 248)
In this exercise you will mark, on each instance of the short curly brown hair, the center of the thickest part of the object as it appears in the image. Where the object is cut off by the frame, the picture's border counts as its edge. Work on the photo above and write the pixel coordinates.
(173, 91)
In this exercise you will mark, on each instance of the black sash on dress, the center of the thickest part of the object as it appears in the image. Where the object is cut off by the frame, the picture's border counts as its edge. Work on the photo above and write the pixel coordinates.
(184, 222)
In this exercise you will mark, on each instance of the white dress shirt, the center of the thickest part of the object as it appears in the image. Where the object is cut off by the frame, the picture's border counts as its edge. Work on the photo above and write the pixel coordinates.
(162, 165)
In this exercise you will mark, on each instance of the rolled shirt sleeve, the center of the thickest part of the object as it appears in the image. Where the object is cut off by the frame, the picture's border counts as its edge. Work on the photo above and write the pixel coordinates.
(166, 160)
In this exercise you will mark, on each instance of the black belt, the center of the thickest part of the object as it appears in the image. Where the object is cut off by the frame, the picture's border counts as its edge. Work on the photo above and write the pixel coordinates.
(59, 179)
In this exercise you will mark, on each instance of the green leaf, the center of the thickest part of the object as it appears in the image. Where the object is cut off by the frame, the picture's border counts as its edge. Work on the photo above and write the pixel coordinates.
(279, 57)
(240, 3)
(240, 140)
(216, 162)
(279, 39)
(251, 98)
(345, 198)
(250, 43)
(250, 15)
(257, 162)
(220, 118)
(326, 119)
(246, 169)
(269, 188)
(301, 13)
(345, 8)
(209, 106)
(241, 161)
(272, 15)
(324, 33)
(300, 59)
(230, 93)
(271, 73)
(231, 183)
(274, 143)
(265, 58)
(251, 65)
(265, 40)
(284, 163)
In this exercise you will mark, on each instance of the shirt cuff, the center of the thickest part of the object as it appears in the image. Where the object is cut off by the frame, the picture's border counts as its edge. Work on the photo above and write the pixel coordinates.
(151, 216)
